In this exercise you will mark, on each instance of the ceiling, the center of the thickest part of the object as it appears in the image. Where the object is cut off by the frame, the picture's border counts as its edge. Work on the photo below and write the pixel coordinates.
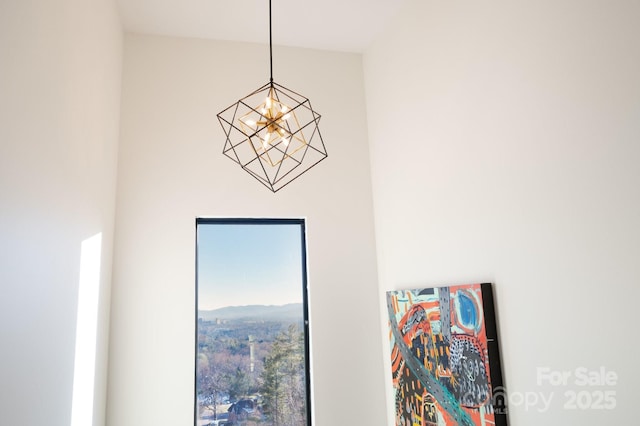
(342, 25)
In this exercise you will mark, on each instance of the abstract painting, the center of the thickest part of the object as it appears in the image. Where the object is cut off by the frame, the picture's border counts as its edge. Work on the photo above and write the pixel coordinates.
(444, 356)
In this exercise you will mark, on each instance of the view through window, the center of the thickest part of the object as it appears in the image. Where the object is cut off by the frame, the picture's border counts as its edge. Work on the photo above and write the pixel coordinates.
(252, 340)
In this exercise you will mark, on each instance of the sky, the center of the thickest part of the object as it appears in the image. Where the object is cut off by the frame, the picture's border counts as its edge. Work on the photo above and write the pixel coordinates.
(249, 264)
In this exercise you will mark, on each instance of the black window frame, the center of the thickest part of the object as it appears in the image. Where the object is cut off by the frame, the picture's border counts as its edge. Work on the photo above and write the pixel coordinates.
(301, 222)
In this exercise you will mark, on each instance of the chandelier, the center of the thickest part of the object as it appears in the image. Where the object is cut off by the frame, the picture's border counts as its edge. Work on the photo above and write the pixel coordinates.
(272, 133)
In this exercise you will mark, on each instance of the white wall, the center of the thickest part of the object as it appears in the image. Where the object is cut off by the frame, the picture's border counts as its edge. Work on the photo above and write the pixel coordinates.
(59, 111)
(504, 141)
(171, 170)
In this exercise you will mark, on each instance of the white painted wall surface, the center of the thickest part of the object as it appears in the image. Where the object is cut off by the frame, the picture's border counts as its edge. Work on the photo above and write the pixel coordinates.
(60, 68)
(505, 143)
(171, 170)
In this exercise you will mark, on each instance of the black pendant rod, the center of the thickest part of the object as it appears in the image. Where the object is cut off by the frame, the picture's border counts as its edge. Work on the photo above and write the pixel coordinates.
(270, 44)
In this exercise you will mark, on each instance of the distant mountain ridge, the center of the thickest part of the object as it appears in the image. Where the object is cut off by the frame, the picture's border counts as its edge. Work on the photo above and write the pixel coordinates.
(288, 312)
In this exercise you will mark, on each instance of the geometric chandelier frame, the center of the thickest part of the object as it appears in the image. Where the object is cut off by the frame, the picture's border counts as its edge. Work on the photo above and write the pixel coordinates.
(273, 133)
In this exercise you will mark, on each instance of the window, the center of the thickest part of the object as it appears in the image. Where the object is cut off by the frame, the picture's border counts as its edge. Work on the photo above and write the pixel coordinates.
(252, 323)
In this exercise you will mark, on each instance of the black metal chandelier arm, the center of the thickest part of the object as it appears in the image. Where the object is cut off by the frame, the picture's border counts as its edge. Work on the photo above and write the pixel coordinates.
(270, 45)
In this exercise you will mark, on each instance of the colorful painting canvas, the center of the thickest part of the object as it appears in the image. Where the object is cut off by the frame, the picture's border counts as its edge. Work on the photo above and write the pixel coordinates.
(444, 356)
